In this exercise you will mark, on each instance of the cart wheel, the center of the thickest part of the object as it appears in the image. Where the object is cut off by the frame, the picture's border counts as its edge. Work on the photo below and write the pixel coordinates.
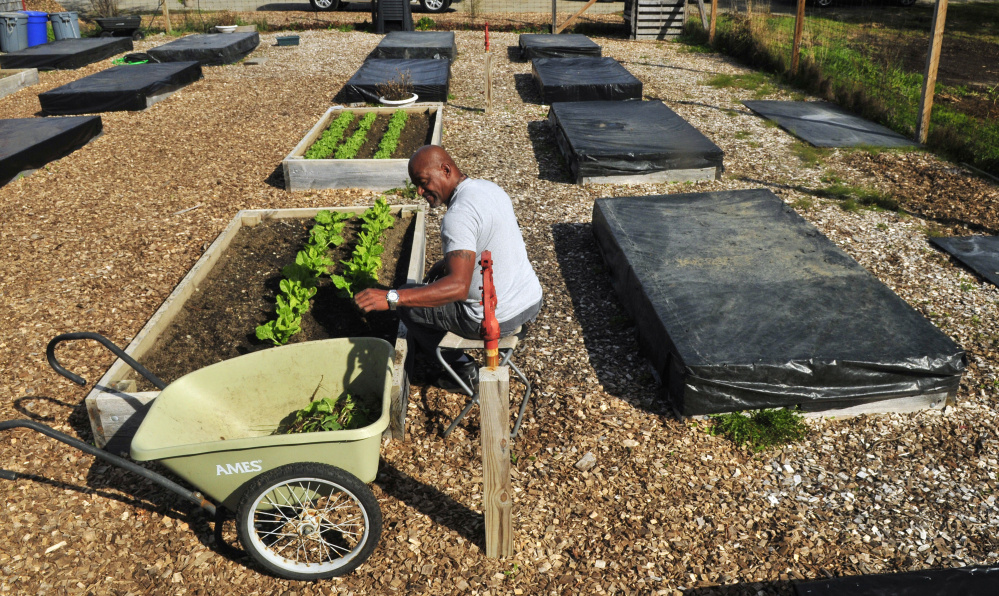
(308, 521)
(138, 35)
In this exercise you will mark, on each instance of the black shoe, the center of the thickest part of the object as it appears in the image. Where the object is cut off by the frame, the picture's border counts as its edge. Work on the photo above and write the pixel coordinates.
(468, 372)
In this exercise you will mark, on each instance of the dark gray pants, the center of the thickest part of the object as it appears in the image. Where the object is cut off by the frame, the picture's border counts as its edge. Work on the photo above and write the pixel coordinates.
(427, 326)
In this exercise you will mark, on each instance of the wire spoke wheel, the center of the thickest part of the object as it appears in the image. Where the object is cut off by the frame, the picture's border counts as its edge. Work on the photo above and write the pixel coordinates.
(309, 521)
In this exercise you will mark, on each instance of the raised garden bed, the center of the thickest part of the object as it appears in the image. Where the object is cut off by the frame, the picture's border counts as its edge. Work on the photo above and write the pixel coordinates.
(741, 304)
(423, 127)
(563, 45)
(27, 144)
(438, 45)
(430, 79)
(584, 78)
(126, 87)
(66, 54)
(12, 80)
(631, 142)
(211, 49)
(213, 312)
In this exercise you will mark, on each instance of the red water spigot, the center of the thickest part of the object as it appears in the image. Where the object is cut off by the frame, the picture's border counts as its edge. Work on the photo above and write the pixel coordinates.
(490, 331)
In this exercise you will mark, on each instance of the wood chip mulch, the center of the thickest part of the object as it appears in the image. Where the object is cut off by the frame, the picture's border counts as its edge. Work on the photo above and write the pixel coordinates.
(97, 240)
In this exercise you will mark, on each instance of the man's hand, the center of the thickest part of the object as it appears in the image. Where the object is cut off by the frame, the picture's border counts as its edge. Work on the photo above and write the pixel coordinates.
(371, 300)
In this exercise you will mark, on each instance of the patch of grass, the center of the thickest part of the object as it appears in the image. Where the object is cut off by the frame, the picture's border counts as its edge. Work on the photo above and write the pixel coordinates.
(425, 24)
(743, 134)
(855, 197)
(882, 226)
(809, 156)
(759, 83)
(761, 429)
(967, 287)
(803, 203)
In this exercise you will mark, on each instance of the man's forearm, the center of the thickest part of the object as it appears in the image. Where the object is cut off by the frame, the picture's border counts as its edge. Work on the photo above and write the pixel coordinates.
(443, 291)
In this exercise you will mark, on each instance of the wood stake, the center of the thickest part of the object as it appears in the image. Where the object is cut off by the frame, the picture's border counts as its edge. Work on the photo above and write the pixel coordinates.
(714, 15)
(930, 78)
(166, 16)
(704, 14)
(573, 18)
(799, 27)
(489, 82)
(497, 496)
(554, 18)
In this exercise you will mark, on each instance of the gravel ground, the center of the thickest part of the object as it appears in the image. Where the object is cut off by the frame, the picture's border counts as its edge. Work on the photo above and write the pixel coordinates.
(96, 241)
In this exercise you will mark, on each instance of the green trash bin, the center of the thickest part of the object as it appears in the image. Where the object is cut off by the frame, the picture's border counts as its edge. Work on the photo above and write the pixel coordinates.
(65, 25)
(13, 31)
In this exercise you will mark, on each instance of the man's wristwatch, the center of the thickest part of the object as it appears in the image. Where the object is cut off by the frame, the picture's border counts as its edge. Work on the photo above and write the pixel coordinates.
(392, 298)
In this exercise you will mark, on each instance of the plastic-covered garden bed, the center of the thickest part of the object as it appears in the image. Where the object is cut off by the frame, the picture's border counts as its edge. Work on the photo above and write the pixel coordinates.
(67, 54)
(125, 87)
(27, 144)
(584, 78)
(304, 173)
(209, 49)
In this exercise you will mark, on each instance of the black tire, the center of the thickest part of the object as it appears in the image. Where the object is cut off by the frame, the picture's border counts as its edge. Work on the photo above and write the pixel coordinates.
(270, 520)
(138, 35)
(823, 3)
(325, 4)
(434, 6)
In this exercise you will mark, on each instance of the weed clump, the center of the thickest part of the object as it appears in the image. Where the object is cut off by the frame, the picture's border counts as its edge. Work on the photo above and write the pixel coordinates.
(761, 429)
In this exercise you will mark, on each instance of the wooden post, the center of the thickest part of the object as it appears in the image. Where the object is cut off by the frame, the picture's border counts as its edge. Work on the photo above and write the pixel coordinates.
(166, 16)
(714, 16)
(930, 78)
(704, 14)
(799, 27)
(489, 82)
(573, 18)
(497, 496)
(554, 18)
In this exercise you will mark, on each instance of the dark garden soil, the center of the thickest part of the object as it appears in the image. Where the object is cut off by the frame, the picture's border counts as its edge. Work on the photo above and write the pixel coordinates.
(414, 135)
(218, 322)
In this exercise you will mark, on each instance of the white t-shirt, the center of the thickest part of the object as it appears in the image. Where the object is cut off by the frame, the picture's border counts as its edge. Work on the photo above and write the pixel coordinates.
(480, 217)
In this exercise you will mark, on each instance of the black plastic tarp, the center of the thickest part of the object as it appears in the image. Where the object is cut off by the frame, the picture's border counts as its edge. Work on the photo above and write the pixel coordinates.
(978, 253)
(212, 49)
(417, 44)
(30, 143)
(125, 87)
(741, 304)
(430, 78)
(616, 138)
(563, 45)
(67, 54)
(584, 78)
(824, 124)
(963, 581)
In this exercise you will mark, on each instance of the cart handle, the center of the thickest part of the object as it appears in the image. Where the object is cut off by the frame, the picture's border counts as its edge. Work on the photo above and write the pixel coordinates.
(50, 355)
(192, 496)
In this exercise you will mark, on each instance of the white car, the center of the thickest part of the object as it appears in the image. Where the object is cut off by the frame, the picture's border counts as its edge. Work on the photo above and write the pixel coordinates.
(431, 6)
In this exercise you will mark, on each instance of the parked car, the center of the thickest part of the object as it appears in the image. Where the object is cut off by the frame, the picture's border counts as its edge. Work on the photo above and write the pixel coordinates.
(432, 6)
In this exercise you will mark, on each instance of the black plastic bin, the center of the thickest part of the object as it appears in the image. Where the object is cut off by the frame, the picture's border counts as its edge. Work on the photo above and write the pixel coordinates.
(121, 27)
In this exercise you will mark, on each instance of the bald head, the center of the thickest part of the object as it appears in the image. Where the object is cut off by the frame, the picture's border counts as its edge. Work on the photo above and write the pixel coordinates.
(435, 174)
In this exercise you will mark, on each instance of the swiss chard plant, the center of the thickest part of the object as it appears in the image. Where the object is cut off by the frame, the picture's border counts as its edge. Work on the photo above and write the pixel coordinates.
(350, 147)
(331, 413)
(301, 278)
(390, 140)
(326, 144)
(361, 271)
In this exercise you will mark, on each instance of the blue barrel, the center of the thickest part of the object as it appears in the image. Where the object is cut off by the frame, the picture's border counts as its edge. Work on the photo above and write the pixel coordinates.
(65, 25)
(13, 32)
(38, 27)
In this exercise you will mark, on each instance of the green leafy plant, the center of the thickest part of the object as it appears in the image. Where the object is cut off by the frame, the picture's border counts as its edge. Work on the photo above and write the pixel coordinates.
(350, 147)
(301, 278)
(425, 24)
(331, 413)
(761, 428)
(361, 271)
(326, 144)
(390, 140)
